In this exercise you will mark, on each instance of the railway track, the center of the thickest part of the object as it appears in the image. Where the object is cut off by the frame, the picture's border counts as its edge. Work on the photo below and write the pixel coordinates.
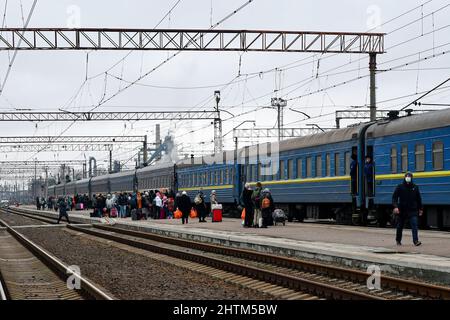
(319, 280)
(310, 278)
(27, 272)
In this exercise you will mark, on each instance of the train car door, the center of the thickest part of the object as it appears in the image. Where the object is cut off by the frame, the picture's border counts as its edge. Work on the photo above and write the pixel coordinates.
(369, 182)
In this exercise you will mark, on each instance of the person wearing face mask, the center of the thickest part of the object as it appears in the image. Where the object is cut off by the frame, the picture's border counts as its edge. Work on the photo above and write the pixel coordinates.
(407, 203)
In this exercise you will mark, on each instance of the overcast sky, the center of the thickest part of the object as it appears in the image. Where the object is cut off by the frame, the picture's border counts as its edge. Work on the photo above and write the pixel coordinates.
(53, 79)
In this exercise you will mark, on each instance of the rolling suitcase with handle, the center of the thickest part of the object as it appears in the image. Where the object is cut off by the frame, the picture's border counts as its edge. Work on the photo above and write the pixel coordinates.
(216, 212)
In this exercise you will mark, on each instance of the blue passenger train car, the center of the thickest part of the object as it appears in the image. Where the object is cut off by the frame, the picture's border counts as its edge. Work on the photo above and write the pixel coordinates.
(310, 176)
(419, 144)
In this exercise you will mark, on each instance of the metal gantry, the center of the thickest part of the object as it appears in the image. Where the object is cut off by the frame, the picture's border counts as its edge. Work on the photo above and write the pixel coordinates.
(274, 133)
(189, 39)
(71, 139)
(49, 163)
(107, 116)
(55, 147)
(366, 114)
(183, 40)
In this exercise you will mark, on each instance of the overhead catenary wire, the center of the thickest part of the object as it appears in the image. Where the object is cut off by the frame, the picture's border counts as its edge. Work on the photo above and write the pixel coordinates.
(11, 63)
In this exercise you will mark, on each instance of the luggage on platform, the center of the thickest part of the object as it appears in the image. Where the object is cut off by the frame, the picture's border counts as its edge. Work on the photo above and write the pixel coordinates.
(134, 215)
(79, 206)
(279, 216)
(216, 212)
(113, 213)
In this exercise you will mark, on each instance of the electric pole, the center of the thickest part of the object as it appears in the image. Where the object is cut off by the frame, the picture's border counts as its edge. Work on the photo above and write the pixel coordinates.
(218, 146)
(279, 104)
(373, 101)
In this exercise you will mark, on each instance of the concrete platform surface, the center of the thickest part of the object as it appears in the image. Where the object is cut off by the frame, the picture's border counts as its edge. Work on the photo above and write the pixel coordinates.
(356, 247)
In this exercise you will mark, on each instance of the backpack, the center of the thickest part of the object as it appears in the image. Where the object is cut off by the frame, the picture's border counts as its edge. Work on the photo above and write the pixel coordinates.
(265, 203)
(198, 199)
(256, 195)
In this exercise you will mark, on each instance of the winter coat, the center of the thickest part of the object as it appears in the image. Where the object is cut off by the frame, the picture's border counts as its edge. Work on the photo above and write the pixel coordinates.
(184, 204)
(246, 198)
(407, 199)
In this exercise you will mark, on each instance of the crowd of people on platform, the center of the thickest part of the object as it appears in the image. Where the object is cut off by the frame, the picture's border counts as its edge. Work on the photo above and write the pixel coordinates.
(258, 205)
(155, 204)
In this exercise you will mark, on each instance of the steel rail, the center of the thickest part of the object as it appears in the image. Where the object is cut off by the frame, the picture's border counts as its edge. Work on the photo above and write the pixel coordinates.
(425, 289)
(57, 266)
(288, 281)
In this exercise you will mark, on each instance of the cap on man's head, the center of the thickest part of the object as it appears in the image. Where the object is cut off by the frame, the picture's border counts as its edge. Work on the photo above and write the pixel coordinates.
(184, 192)
(409, 174)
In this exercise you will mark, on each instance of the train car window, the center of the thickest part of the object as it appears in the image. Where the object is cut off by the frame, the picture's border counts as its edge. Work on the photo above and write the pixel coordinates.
(290, 169)
(275, 172)
(328, 165)
(249, 175)
(260, 178)
(347, 163)
(420, 157)
(299, 168)
(282, 175)
(438, 155)
(393, 160)
(318, 166)
(226, 176)
(404, 156)
(231, 178)
(255, 172)
(337, 164)
(308, 167)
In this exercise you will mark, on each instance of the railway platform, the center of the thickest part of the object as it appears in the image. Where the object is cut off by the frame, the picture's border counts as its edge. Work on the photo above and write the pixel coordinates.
(353, 247)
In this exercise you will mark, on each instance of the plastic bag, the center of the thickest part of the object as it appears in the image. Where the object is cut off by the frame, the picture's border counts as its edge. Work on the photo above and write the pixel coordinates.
(193, 213)
(243, 214)
(177, 214)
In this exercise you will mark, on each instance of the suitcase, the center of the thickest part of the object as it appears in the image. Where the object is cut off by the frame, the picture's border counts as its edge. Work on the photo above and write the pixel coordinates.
(216, 212)
(79, 206)
(134, 215)
(113, 213)
(279, 216)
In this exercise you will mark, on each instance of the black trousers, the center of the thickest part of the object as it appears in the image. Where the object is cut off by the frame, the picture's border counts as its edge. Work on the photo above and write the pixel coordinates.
(185, 218)
(63, 215)
(248, 216)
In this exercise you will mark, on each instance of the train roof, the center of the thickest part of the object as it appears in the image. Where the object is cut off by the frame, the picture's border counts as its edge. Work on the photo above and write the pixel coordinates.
(417, 122)
(121, 174)
(158, 166)
(333, 136)
(97, 178)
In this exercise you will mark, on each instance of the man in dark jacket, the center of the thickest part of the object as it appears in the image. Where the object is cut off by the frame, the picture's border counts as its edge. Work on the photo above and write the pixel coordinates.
(185, 206)
(246, 200)
(63, 210)
(369, 171)
(354, 174)
(407, 204)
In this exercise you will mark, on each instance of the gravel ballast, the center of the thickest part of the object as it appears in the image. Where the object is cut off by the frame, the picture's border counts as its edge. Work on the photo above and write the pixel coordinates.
(129, 275)
(17, 220)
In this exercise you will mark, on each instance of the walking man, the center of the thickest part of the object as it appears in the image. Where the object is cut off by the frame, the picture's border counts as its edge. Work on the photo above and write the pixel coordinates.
(63, 210)
(407, 204)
